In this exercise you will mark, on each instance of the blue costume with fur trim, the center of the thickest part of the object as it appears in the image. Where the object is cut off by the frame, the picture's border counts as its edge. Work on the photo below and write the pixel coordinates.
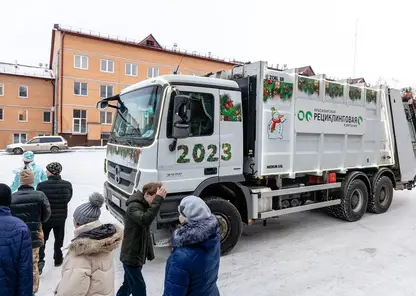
(192, 268)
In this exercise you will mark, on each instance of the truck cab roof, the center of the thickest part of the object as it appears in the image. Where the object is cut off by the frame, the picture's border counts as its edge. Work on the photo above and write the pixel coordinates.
(184, 80)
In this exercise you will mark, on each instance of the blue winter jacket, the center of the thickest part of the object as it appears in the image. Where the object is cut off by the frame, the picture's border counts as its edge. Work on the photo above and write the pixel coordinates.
(16, 277)
(192, 268)
(38, 171)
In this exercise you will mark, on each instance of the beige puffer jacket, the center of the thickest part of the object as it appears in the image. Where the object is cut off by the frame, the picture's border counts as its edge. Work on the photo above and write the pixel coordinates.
(88, 268)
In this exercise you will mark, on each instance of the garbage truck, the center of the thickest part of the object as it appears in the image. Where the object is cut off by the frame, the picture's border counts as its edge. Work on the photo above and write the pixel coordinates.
(257, 143)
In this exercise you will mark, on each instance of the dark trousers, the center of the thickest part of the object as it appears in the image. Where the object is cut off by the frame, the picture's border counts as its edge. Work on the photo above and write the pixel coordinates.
(133, 282)
(59, 233)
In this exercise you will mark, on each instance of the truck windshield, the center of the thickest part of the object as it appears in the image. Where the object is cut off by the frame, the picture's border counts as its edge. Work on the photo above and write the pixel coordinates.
(136, 123)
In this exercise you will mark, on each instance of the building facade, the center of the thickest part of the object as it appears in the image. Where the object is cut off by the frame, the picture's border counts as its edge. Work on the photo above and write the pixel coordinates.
(26, 102)
(90, 66)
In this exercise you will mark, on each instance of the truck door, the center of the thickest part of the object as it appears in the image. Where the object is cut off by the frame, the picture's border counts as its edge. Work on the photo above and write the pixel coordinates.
(195, 158)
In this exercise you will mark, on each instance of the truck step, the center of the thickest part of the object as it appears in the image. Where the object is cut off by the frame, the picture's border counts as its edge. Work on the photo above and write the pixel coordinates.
(271, 214)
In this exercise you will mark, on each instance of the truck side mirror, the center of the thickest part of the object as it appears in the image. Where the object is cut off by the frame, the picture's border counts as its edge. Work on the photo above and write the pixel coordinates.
(181, 116)
(102, 104)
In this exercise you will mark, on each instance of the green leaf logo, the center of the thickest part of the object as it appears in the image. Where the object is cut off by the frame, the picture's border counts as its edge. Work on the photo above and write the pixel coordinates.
(360, 119)
(301, 115)
(308, 116)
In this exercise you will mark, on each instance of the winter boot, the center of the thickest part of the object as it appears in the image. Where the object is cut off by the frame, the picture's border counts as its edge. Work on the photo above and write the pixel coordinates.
(41, 265)
(58, 262)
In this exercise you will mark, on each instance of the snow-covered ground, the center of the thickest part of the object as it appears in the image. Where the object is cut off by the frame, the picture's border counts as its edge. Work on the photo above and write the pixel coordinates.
(300, 254)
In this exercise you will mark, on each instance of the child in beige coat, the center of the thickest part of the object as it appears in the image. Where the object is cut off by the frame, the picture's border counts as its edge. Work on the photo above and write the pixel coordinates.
(88, 268)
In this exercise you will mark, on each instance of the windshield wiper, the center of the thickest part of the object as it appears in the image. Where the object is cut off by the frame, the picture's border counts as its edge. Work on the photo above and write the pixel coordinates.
(135, 132)
(130, 125)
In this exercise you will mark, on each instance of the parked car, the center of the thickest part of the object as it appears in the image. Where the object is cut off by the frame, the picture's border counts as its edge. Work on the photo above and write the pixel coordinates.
(52, 144)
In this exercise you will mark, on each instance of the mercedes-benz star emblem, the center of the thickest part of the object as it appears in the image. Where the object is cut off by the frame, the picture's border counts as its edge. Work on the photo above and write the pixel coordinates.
(117, 177)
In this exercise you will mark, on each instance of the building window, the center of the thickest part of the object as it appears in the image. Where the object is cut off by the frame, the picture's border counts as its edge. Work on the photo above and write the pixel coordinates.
(1, 90)
(23, 91)
(107, 66)
(106, 91)
(43, 135)
(19, 138)
(131, 70)
(81, 62)
(1, 114)
(106, 117)
(22, 116)
(80, 88)
(47, 118)
(150, 43)
(152, 72)
(79, 124)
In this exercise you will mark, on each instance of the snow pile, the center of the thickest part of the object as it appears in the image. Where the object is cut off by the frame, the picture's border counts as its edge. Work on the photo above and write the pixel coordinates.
(87, 148)
(23, 70)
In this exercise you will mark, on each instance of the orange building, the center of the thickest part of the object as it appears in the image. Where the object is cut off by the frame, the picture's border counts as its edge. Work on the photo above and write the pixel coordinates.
(26, 101)
(91, 66)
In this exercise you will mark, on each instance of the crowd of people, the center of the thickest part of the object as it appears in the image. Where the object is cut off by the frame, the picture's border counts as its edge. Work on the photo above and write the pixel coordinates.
(37, 203)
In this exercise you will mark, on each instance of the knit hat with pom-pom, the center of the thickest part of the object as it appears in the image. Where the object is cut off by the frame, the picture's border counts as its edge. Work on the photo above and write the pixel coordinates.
(89, 211)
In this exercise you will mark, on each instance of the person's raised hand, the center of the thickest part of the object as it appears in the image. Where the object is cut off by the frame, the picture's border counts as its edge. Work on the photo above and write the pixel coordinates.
(161, 192)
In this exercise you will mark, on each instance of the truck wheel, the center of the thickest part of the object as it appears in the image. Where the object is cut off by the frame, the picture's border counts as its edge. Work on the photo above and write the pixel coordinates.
(354, 201)
(381, 201)
(229, 221)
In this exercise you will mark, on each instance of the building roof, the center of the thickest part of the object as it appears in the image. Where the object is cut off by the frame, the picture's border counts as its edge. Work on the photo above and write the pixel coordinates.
(306, 71)
(356, 80)
(25, 70)
(147, 43)
(150, 41)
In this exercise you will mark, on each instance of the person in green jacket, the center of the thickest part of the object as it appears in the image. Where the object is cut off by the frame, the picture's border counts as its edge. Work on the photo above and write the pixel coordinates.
(29, 164)
(137, 246)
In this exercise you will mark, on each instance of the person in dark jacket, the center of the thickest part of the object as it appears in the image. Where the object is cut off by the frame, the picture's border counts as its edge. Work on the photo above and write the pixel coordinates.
(16, 278)
(59, 193)
(192, 268)
(33, 208)
(137, 246)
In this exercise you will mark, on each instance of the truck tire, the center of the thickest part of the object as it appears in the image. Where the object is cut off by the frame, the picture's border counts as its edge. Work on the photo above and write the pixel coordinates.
(382, 198)
(229, 221)
(354, 201)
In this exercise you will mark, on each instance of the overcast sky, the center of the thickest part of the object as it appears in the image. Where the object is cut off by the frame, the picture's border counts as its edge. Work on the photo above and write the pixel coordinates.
(295, 32)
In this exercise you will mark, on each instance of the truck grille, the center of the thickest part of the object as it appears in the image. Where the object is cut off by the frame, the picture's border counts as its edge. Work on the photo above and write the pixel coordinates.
(121, 177)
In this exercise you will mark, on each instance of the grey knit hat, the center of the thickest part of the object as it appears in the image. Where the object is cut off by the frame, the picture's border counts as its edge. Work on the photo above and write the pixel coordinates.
(193, 209)
(89, 211)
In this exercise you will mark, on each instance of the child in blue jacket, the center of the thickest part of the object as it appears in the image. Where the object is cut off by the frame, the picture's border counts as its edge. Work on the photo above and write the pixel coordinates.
(29, 164)
(192, 268)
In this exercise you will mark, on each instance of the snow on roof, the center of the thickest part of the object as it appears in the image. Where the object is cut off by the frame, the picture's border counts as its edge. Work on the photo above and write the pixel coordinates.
(24, 70)
(143, 43)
